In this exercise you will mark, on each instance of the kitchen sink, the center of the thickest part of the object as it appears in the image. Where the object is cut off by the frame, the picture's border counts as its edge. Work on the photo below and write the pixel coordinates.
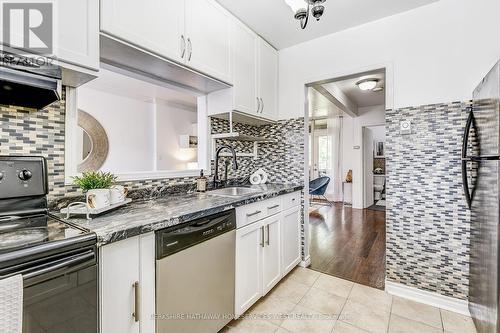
(234, 191)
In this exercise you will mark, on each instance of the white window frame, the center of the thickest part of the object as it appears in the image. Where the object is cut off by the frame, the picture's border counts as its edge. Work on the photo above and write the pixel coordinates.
(71, 159)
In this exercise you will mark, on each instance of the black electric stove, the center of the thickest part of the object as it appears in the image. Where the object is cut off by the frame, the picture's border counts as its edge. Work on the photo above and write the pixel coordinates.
(57, 260)
(20, 232)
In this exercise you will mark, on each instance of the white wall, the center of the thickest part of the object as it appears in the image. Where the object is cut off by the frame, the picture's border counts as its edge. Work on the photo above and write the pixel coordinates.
(378, 133)
(353, 137)
(436, 53)
(171, 122)
(128, 123)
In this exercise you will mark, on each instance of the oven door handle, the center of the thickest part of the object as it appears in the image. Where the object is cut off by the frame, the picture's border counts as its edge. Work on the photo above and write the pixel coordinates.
(59, 266)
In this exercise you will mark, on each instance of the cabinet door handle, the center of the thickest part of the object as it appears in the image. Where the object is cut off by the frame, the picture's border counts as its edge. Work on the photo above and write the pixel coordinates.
(267, 242)
(258, 104)
(183, 46)
(137, 300)
(190, 49)
(272, 207)
(262, 236)
(254, 213)
(263, 105)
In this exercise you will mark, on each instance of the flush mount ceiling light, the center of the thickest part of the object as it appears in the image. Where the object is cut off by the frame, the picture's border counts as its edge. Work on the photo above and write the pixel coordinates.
(367, 84)
(302, 8)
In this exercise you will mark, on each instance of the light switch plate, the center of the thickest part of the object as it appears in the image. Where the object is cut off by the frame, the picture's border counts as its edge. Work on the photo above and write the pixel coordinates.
(405, 127)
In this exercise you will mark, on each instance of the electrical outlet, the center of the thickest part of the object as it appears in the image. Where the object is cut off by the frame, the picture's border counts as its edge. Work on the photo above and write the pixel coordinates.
(405, 127)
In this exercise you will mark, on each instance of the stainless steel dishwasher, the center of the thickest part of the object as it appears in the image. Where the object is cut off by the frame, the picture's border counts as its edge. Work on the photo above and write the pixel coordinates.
(195, 275)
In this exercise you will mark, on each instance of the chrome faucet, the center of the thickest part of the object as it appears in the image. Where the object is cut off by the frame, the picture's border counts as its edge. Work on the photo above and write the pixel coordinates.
(235, 163)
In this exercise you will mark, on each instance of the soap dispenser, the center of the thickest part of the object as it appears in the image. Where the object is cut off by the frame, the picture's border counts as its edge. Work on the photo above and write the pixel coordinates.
(201, 183)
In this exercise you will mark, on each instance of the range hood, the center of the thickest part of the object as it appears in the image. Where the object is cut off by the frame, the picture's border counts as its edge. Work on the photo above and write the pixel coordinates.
(29, 86)
(148, 66)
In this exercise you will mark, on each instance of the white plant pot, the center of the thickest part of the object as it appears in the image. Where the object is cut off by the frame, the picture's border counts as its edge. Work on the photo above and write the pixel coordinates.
(98, 198)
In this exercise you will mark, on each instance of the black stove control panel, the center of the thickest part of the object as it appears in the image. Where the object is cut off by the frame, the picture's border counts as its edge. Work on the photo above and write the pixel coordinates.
(22, 176)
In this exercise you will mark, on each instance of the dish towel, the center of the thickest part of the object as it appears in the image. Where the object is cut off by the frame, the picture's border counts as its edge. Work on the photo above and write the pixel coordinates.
(11, 304)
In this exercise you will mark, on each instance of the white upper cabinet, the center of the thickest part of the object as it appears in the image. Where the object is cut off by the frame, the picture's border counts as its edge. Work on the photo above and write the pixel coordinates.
(78, 32)
(192, 32)
(268, 80)
(254, 66)
(208, 38)
(155, 25)
(244, 68)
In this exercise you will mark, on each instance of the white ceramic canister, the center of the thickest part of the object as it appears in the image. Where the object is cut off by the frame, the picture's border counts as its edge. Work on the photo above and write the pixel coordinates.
(98, 198)
(118, 193)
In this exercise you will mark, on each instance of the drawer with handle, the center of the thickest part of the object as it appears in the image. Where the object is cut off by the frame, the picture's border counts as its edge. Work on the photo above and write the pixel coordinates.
(257, 211)
(290, 200)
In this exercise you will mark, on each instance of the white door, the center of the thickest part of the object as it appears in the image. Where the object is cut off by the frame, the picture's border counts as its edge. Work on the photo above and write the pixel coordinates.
(249, 243)
(290, 226)
(119, 271)
(271, 258)
(78, 32)
(244, 68)
(268, 81)
(208, 30)
(155, 25)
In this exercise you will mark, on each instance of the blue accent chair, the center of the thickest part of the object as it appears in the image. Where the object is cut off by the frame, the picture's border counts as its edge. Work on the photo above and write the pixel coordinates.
(318, 187)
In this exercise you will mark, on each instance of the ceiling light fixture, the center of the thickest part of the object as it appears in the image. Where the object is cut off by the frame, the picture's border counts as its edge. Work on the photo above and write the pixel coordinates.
(367, 84)
(302, 8)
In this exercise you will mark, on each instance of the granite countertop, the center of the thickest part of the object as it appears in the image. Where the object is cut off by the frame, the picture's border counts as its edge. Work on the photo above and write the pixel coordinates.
(144, 216)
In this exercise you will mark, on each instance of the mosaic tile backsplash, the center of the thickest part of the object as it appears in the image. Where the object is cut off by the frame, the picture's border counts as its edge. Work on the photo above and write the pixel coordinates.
(427, 220)
(41, 132)
(428, 225)
(282, 157)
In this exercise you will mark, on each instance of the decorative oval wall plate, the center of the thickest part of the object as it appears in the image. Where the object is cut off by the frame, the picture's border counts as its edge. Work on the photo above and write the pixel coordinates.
(99, 139)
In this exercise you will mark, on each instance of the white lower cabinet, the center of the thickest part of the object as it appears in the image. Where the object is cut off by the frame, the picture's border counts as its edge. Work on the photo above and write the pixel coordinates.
(248, 266)
(267, 247)
(271, 252)
(291, 245)
(126, 286)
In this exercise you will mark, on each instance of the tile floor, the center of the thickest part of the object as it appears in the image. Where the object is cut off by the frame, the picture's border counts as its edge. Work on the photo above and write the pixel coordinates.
(307, 301)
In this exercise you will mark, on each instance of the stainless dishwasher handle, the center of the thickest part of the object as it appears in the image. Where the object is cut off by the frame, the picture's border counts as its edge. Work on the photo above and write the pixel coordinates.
(268, 236)
(262, 236)
(272, 207)
(254, 213)
(137, 299)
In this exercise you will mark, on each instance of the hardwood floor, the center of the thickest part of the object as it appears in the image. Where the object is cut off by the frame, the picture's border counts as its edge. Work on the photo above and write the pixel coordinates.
(349, 243)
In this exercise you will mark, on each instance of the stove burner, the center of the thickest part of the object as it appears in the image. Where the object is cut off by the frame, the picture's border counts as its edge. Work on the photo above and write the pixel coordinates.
(22, 237)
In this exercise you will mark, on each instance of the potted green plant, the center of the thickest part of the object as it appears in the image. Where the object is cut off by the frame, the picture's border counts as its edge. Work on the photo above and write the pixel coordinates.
(96, 185)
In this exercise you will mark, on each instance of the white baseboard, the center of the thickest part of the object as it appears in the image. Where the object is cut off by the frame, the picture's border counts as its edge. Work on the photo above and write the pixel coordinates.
(427, 297)
(306, 262)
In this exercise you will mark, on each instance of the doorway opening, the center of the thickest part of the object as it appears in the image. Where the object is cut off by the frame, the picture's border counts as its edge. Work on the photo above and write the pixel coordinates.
(346, 160)
(374, 167)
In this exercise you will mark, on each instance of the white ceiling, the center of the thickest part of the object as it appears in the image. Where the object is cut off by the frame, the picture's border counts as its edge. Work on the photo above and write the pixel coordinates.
(320, 106)
(357, 96)
(274, 21)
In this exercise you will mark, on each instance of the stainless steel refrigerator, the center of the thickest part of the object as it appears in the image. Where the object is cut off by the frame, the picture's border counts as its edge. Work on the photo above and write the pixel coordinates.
(481, 181)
